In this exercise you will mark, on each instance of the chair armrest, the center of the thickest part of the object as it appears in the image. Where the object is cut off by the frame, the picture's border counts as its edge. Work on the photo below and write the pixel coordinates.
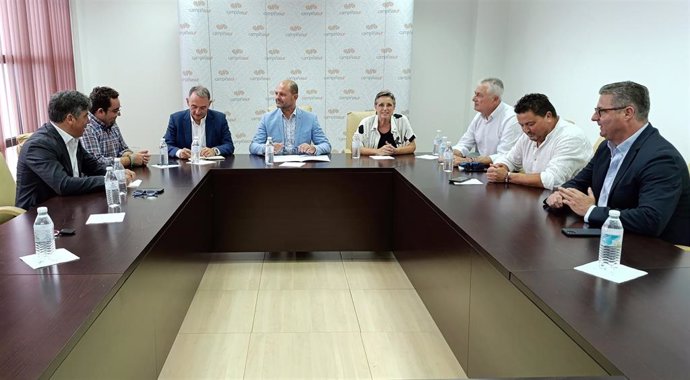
(9, 212)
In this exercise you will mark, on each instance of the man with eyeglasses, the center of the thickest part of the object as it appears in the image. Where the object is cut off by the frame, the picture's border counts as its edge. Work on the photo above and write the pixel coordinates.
(636, 171)
(211, 127)
(102, 137)
(53, 161)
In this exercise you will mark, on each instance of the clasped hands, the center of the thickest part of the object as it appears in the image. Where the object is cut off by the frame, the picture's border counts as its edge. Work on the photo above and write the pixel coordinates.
(578, 201)
(186, 153)
(497, 173)
(386, 150)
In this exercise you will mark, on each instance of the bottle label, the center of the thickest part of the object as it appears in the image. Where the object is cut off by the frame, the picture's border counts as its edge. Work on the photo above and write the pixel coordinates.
(612, 238)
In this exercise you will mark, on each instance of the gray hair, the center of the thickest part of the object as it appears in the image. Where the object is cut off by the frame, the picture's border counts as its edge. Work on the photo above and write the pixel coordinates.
(64, 103)
(200, 91)
(294, 89)
(495, 86)
(629, 93)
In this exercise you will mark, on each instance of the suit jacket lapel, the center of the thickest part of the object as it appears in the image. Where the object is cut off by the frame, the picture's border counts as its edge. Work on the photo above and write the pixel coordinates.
(187, 128)
(630, 156)
(208, 128)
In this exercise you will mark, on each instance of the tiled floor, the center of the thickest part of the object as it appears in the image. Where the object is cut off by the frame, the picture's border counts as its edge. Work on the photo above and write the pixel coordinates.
(324, 315)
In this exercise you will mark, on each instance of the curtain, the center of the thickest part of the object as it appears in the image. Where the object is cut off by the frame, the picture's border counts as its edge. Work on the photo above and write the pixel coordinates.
(36, 47)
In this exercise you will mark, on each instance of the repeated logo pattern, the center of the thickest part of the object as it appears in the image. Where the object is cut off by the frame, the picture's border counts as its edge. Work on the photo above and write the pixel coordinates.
(340, 53)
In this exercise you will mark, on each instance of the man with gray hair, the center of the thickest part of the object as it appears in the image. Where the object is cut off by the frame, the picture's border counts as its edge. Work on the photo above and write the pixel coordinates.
(494, 129)
(211, 127)
(53, 160)
(636, 171)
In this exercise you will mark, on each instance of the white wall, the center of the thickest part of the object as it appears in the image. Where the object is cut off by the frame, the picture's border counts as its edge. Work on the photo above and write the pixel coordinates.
(565, 49)
(133, 47)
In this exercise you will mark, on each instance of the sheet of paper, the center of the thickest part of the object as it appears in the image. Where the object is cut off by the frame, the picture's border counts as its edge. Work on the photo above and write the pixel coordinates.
(382, 157)
(165, 166)
(201, 162)
(428, 157)
(621, 274)
(60, 255)
(300, 158)
(472, 181)
(292, 164)
(134, 183)
(117, 217)
(213, 158)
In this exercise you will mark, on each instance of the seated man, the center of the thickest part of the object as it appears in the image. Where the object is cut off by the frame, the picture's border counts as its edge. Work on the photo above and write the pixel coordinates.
(637, 171)
(210, 126)
(551, 151)
(53, 161)
(294, 131)
(494, 129)
(102, 137)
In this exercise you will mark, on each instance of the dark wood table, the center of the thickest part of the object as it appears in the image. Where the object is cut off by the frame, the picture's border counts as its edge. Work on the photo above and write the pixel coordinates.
(490, 264)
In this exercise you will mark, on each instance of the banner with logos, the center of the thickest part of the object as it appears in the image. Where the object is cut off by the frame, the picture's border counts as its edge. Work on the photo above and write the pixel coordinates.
(340, 53)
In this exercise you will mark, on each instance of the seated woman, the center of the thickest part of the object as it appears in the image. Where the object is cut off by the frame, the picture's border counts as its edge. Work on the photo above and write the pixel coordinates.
(386, 133)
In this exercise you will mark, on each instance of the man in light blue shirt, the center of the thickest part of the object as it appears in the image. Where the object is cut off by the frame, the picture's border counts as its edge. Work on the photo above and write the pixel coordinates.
(293, 130)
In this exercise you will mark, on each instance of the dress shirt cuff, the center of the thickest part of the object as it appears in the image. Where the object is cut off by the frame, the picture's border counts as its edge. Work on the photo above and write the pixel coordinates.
(589, 211)
(177, 154)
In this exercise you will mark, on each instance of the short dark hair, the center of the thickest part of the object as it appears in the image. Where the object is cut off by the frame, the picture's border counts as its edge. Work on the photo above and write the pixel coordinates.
(629, 93)
(384, 93)
(539, 104)
(100, 98)
(67, 102)
(200, 91)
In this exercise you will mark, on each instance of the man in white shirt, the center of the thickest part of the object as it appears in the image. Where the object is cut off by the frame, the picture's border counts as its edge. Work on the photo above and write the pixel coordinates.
(550, 152)
(494, 129)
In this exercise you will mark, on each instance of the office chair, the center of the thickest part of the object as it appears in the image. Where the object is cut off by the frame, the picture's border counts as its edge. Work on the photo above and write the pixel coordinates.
(352, 122)
(8, 190)
(21, 139)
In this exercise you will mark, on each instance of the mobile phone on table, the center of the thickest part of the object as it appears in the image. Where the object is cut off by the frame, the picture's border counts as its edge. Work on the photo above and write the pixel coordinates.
(581, 232)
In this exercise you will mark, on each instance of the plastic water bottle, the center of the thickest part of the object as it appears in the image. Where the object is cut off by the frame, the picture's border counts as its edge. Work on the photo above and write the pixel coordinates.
(611, 242)
(112, 191)
(437, 143)
(163, 147)
(356, 146)
(119, 171)
(269, 152)
(196, 149)
(448, 158)
(44, 238)
(442, 146)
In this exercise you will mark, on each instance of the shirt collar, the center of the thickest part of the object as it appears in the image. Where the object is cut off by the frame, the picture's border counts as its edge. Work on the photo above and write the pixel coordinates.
(202, 122)
(375, 124)
(66, 137)
(624, 147)
(94, 120)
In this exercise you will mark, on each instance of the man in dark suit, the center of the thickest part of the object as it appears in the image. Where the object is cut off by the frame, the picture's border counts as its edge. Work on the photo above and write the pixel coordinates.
(210, 126)
(53, 161)
(635, 171)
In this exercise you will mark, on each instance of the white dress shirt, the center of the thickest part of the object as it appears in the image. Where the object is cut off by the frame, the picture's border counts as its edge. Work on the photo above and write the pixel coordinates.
(72, 145)
(564, 152)
(198, 130)
(492, 136)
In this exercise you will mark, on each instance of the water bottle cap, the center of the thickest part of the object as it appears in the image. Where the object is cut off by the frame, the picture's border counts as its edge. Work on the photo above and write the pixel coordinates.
(108, 168)
(43, 210)
(614, 213)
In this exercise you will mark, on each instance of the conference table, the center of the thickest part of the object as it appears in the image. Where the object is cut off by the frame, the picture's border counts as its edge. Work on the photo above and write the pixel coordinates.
(491, 266)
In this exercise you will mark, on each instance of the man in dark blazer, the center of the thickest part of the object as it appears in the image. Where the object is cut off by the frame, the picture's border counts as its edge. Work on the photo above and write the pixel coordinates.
(53, 161)
(635, 171)
(210, 126)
